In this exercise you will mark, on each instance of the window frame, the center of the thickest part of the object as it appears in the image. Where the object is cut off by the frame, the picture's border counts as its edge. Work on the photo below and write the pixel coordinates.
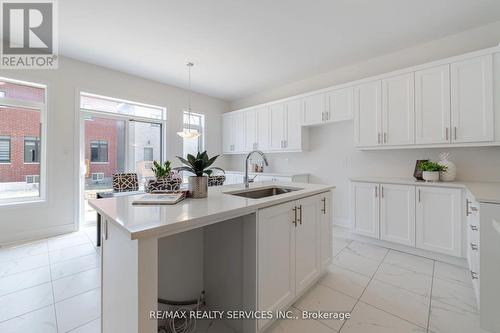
(7, 138)
(40, 107)
(100, 143)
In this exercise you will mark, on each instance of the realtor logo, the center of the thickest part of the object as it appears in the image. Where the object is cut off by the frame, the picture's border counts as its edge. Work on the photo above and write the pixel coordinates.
(28, 35)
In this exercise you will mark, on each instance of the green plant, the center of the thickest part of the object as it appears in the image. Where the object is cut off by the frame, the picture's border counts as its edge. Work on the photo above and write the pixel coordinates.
(160, 170)
(431, 166)
(199, 164)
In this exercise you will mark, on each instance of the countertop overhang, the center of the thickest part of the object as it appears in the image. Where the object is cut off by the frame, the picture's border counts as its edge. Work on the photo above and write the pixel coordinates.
(164, 220)
(486, 192)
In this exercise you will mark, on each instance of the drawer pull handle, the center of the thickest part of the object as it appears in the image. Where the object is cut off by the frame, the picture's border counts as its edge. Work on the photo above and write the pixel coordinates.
(473, 246)
(295, 216)
(324, 206)
(474, 275)
(473, 228)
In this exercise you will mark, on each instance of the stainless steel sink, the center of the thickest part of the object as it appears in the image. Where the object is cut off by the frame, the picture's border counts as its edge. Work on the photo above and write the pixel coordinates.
(263, 192)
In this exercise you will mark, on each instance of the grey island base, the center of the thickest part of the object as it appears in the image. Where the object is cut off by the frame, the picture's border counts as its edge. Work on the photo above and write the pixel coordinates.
(257, 249)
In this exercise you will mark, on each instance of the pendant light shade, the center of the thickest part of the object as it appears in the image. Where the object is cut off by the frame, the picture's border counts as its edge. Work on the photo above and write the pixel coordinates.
(188, 133)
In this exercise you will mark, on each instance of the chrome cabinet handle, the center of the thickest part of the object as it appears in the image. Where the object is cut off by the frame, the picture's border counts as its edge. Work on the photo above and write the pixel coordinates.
(324, 205)
(446, 133)
(295, 216)
(300, 214)
(455, 130)
(473, 228)
(473, 275)
(473, 247)
(419, 196)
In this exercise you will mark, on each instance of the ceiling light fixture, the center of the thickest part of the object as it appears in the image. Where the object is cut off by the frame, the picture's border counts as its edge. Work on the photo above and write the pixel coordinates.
(188, 133)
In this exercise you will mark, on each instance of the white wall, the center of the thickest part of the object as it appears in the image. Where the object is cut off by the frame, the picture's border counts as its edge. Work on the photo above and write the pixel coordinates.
(57, 214)
(332, 158)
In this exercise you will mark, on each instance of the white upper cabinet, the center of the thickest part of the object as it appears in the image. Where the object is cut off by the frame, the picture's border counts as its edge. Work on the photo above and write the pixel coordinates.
(367, 114)
(432, 105)
(472, 100)
(339, 104)
(250, 129)
(277, 121)
(397, 213)
(398, 113)
(313, 110)
(293, 138)
(238, 125)
(263, 119)
(227, 140)
(439, 219)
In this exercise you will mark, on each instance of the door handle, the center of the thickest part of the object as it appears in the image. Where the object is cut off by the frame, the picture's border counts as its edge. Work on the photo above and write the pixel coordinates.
(455, 130)
(419, 197)
(324, 205)
(446, 133)
(300, 214)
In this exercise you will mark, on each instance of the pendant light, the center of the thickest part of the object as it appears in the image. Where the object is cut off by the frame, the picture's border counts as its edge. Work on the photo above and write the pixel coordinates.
(188, 133)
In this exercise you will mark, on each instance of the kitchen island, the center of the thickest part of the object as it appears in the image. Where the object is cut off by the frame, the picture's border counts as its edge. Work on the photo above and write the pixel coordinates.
(261, 249)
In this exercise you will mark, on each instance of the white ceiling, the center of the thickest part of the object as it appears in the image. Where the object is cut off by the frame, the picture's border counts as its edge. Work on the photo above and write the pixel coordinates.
(241, 47)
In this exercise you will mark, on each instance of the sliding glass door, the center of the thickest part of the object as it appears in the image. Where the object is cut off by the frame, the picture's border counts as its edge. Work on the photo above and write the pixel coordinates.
(118, 137)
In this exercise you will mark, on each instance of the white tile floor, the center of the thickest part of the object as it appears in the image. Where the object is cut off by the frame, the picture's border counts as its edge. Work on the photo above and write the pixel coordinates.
(53, 286)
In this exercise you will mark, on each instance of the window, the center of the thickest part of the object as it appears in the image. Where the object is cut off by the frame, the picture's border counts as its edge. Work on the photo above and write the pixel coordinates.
(4, 149)
(98, 151)
(31, 150)
(196, 124)
(148, 153)
(22, 145)
(113, 105)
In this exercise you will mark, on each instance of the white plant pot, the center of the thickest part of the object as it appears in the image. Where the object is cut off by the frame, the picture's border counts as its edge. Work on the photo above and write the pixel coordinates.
(430, 176)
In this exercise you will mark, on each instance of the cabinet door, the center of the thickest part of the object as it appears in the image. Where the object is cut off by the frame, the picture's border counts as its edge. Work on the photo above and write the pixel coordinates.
(250, 130)
(432, 105)
(339, 104)
(227, 143)
(263, 128)
(397, 213)
(439, 219)
(307, 242)
(326, 229)
(276, 258)
(472, 100)
(293, 138)
(314, 108)
(367, 114)
(398, 113)
(277, 132)
(239, 132)
(365, 209)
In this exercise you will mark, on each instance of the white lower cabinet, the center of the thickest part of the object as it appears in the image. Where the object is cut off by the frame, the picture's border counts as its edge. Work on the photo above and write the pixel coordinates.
(397, 213)
(289, 252)
(438, 219)
(365, 209)
(425, 217)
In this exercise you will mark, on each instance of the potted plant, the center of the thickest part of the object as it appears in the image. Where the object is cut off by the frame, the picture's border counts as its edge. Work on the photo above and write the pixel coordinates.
(200, 166)
(165, 180)
(430, 170)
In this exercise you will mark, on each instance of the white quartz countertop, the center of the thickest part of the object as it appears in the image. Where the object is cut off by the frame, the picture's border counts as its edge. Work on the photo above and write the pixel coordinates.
(482, 191)
(272, 174)
(163, 220)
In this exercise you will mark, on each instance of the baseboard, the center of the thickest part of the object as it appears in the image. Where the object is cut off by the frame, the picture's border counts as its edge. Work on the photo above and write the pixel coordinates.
(344, 232)
(35, 235)
(341, 222)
